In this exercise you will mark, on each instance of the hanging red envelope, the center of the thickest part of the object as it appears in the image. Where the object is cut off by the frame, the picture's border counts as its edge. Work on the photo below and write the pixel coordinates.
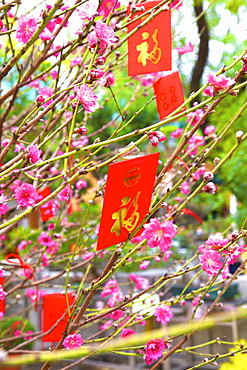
(169, 94)
(150, 47)
(2, 301)
(128, 193)
(54, 307)
(46, 211)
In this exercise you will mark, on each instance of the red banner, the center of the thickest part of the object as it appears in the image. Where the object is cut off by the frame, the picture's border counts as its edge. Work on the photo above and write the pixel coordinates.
(169, 94)
(150, 47)
(46, 210)
(54, 307)
(2, 301)
(127, 199)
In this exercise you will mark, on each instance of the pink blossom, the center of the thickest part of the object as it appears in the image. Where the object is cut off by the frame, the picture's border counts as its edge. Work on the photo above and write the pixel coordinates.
(220, 82)
(148, 80)
(65, 194)
(45, 35)
(34, 294)
(105, 34)
(1, 314)
(2, 272)
(87, 256)
(29, 335)
(3, 204)
(195, 301)
(244, 64)
(22, 245)
(115, 298)
(159, 235)
(157, 258)
(234, 253)
(2, 293)
(209, 91)
(141, 282)
(167, 255)
(45, 260)
(17, 333)
(54, 74)
(53, 247)
(193, 143)
(92, 40)
(26, 27)
(108, 6)
(34, 153)
(163, 313)
(209, 130)
(156, 137)
(87, 97)
(73, 341)
(88, 10)
(154, 349)
(185, 187)
(19, 147)
(45, 239)
(140, 320)
(176, 4)
(127, 333)
(210, 261)
(26, 195)
(106, 325)
(46, 92)
(76, 62)
(81, 184)
(110, 287)
(217, 241)
(144, 265)
(116, 314)
(195, 116)
(5, 142)
(177, 133)
(200, 172)
(80, 143)
(187, 48)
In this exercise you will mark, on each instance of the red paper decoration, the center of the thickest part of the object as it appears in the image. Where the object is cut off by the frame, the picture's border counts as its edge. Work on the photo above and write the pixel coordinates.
(54, 307)
(2, 301)
(150, 47)
(128, 194)
(169, 94)
(46, 210)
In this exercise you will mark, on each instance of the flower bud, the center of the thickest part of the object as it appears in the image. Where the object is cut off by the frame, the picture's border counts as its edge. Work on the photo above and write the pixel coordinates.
(208, 176)
(100, 60)
(156, 137)
(210, 188)
(82, 130)
(40, 100)
(239, 135)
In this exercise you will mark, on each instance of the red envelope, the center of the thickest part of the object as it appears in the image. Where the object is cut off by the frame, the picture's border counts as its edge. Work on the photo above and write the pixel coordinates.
(128, 193)
(46, 210)
(2, 301)
(54, 306)
(150, 47)
(169, 94)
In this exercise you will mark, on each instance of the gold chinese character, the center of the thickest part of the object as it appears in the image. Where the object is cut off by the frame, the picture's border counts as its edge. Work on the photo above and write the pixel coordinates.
(154, 55)
(121, 216)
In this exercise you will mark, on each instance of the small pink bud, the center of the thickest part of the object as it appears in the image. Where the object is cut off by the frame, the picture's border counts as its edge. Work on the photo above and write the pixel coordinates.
(40, 99)
(100, 60)
(156, 137)
(208, 176)
(210, 188)
(82, 130)
(1, 23)
(96, 73)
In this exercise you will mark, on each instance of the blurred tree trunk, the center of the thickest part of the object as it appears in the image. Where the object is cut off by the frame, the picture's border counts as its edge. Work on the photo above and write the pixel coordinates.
(203, 47)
